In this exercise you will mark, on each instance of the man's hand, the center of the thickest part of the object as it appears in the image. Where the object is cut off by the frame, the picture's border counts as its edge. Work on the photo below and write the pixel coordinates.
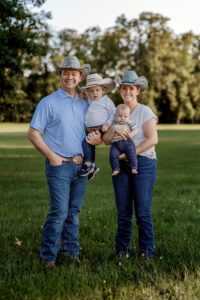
(94, 138)
(57, 160)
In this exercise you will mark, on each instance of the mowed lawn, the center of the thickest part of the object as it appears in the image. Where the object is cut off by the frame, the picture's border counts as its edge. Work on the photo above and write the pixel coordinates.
(173, 274)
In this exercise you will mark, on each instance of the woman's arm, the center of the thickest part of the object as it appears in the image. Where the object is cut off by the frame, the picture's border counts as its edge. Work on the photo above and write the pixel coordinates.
(122, 130)
(150, 132)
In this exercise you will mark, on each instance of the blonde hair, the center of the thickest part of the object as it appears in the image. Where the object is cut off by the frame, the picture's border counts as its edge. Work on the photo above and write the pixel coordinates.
(122, 107)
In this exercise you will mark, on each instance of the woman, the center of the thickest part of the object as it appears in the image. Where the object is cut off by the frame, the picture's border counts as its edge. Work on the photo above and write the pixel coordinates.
(135, 190)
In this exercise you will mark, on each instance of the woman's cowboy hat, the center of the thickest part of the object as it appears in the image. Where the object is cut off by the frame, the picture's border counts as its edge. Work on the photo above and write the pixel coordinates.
(95, 79)
(131, 78)
(72, 62)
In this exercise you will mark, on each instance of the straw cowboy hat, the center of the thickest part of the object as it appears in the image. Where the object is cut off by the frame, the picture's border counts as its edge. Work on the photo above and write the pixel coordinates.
(72, 62)
(95, 79)
(131, 78)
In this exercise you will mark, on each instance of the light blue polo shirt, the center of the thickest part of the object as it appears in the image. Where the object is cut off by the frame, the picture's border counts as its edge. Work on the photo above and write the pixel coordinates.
(61, 119)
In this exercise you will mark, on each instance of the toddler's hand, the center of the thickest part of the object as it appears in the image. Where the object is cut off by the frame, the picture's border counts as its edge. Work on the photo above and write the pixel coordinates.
(105, 127)
(83, 95)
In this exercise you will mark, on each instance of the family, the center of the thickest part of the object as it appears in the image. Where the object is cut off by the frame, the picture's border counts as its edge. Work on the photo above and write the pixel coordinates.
(72, 125)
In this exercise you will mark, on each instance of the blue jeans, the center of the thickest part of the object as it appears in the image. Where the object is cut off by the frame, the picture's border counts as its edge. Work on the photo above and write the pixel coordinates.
(120, 147)
(89, 151)
(135, 192)
(66, 196)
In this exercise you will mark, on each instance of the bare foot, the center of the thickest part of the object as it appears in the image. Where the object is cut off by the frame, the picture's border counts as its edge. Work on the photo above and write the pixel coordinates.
(114, 173)
(134, 171)
(50, 265)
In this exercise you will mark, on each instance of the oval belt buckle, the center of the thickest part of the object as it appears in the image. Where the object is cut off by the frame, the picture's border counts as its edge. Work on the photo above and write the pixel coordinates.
(77, 159)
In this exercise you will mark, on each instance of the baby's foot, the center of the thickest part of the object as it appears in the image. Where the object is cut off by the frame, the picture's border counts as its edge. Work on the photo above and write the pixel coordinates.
(114, 173)
(134, 171)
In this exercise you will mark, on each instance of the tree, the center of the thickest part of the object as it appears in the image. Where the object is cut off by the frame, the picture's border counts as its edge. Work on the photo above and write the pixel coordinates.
(19, 33)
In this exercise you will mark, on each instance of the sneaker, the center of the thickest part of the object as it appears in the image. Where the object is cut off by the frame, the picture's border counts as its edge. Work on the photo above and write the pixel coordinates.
(85, 171)
(93, 173)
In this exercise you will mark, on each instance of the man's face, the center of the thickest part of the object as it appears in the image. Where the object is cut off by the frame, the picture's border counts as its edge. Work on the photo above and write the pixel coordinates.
(70, 78)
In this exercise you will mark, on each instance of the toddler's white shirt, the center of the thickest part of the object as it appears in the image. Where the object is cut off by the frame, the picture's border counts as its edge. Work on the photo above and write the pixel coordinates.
(99, 112)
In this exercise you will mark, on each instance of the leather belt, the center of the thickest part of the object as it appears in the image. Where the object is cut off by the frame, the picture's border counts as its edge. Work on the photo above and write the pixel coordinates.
(90, 129)
(76, 159)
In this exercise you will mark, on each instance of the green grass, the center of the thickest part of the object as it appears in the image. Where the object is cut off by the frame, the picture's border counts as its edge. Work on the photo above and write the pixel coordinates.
(174, 273)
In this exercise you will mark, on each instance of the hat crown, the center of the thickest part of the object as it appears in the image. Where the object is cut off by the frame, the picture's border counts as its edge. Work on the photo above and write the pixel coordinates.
(71, 62)
(129, 77)
(93, 79)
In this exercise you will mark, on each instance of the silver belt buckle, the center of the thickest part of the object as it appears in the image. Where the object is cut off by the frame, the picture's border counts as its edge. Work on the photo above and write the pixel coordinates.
(77, 159)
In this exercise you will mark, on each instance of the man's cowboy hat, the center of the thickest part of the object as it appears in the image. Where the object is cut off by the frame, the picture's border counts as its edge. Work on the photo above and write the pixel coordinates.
(95, 79)
(72, 62)
(131, 78)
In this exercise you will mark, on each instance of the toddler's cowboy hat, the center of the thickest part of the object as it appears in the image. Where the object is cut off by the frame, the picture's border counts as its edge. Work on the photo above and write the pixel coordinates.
(131, 78)
(95, 79)
(72, 62)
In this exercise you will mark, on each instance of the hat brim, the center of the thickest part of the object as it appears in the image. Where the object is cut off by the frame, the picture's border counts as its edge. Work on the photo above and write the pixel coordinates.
(140, 81)
(84, 69)
(107, 83)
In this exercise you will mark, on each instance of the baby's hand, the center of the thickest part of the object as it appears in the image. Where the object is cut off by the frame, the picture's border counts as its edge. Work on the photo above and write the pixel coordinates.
(105, 127)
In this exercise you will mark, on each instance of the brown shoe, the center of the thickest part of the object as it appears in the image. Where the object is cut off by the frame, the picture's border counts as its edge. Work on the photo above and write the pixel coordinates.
(50, 265)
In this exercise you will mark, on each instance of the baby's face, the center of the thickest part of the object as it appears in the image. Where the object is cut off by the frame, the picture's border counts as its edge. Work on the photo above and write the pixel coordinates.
(122, 116)
(96, 92)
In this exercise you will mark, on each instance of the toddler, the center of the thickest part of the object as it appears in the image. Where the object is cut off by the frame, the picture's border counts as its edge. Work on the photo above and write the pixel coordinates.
(99, 116)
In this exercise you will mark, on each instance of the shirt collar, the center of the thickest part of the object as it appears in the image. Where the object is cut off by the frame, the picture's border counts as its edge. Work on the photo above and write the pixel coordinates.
(64, 95)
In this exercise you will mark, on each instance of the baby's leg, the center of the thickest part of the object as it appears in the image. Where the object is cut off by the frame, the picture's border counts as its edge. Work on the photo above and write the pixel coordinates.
(114, 159)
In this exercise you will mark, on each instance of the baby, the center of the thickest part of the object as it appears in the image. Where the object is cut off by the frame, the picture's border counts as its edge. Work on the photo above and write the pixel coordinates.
(120, 145)
(99, 116)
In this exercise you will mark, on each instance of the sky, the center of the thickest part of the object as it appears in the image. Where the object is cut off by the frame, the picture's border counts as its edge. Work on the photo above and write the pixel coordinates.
(82, 14)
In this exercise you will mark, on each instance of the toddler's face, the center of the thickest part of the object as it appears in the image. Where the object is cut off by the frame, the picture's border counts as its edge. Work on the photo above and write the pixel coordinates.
(96, 92)
(122, 116)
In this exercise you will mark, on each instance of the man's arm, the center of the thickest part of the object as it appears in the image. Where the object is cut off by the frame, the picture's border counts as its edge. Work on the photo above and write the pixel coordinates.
(37, 140)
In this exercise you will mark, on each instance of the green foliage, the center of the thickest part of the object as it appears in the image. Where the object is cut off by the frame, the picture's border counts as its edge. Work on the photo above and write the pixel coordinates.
(174, 273)
(28, 52)
(22, 36)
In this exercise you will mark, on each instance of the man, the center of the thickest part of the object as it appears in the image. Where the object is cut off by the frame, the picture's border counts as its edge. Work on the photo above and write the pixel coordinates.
(60, 117)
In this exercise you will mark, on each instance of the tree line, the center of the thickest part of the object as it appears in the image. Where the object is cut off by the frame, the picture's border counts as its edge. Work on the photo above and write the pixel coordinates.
(29, 49)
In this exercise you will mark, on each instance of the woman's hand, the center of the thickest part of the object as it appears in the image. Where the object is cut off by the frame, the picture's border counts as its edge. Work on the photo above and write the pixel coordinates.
(94, 138)
(123, 156)
(105, 127)
(122, 130)
(133, 133)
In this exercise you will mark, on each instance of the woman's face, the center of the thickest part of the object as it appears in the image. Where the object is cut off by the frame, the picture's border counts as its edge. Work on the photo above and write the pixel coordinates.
(129, 93)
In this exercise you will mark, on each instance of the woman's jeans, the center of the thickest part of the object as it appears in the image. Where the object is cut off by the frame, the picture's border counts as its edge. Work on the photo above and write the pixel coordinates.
(66, 197)
(134, 191)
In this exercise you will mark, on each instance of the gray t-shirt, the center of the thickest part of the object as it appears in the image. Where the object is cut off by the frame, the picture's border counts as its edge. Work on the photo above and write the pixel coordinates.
(141, 115)
(99, 112)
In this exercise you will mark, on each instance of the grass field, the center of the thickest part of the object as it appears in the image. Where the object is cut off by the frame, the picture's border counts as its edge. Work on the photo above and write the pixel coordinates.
(175, 271)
